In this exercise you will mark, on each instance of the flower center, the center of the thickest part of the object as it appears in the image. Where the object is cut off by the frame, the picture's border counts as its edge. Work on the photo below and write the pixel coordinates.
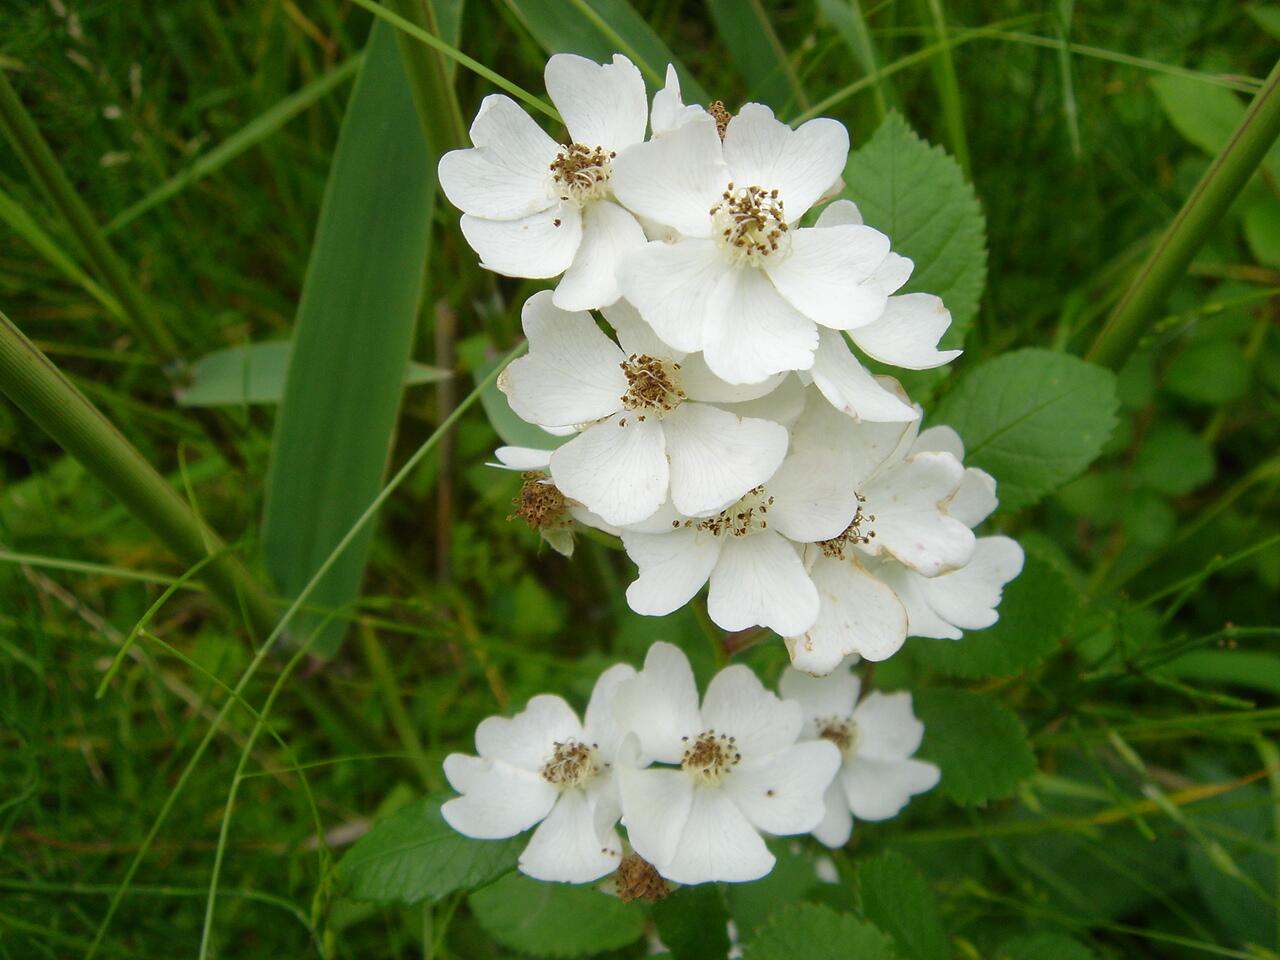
(638, 879)
(539, 503)
(710, 757)
(747, 516)
(581, 173)
(572, 765)
(839, 730)
(721, 115)
(858, 531)
(751, 225)
(652, 384)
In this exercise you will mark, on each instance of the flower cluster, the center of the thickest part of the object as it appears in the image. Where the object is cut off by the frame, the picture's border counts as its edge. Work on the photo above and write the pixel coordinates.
(696, 784)
(719, 420)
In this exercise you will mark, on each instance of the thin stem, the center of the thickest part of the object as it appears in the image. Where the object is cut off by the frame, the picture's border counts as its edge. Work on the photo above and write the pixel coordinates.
(1219, 186)
(384, 679)
(944, 78)
(429, 81)
(41, 391)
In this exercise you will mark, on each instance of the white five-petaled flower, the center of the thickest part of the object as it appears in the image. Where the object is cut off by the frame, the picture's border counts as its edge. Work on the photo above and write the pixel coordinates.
(541, 504)
(877, 740)
(967, 597)
(740, 770)
(644, 430)
(536, 208)
(744, 283)
(545, 767)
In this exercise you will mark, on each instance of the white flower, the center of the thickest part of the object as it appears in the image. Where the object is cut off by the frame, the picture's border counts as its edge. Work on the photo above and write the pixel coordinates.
(534, 208)
(877, 739)
(741, 770)
(544, 767)
(744, 284)
(966, 598)
(644, 431)
(541, 504)
(751, 551)
(669, 109)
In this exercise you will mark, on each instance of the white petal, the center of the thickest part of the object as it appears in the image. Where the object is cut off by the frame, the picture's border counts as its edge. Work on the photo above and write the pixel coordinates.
(567, 847)
(850, 387)
(635, 336)
(655, 809)
(909, 587)
(969, 597)
(906, 501)
(700, 383)
(528, 739)
(498, 800)
(800, 164)
(858, 614)
(892, 273)
(540, 245)
(877, 790)
(589, 519)
(669, 109)
(823, 276)
(507, 175)
(717, 843)
(783, 795)
(522, 458)
(907, 333)
(609, 234)
(674, 179)
(887, 728)
(716, 456)
(737, 704)
(673, 568)
(751, 332)
(660, 704)
(831, 696)
(603, 105)
(840, 213)
(671, 284)
(571, 374)
(939, 439)
(976, 499)
(599, 726)
(836, 826)
(783, 403)
(616, 468)
(760, 580)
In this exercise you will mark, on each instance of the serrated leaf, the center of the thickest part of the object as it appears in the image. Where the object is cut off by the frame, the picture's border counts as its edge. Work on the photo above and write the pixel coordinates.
(917, 195)
(980, 746)
(896, 897)
(1033, 419)
(814, 932)
(693, 922)
(255, 373)
(554, 919)
(1044, 946)
(414, 855)
(792, 880)
(1034, 614)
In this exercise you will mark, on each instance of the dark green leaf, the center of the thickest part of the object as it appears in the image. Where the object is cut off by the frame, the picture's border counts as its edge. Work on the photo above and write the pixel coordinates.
(693, 922)
(896, 897)
(979, 744)
(1211, 372)
(810, 931)
(1044, 946)
(791, 881)
(1174, 459)
(762, 63)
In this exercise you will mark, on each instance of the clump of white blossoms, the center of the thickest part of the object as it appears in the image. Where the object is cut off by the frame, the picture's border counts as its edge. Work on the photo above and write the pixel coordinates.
(877, 740)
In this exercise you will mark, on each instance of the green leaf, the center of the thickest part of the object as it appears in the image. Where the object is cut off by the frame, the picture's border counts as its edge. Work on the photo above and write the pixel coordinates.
(1267, 16)
(554, 919)
(896, 897)
(980, 745)
(1034, 614)
(810, 931)
(1262, 229)
(1251, 669)
(1174, 459)
(255, 373)
(1033, 419)
(693, 922)
(916, 194)
(1212, 372)
(352, 339)
(414, 855)
(792, 880)
(760, 58)
(597, 29)
(1044, 946)
(1205, 114)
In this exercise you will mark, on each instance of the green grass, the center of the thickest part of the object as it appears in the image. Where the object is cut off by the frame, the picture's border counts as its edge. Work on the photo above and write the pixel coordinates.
(200, 135)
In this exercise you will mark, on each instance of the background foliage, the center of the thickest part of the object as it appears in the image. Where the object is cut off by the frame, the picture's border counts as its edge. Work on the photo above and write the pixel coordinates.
(1109, 785)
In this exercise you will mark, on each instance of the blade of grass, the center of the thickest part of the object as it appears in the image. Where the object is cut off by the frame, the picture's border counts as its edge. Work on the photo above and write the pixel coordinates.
(851, 23)
(1221, 183)
(757, 52)
(943, 68)
(430, 79)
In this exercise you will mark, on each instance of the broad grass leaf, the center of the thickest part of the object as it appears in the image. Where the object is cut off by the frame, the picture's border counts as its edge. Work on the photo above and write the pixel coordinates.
(255, 373)
(693, 922)
(1033, 419)
(815, 932)
(555, 919)
(917, 195)
(897, 898)
(1205, 114)
(980, 746)
(1034, 614)
(755, 51)
(413, 856)
(352, 338)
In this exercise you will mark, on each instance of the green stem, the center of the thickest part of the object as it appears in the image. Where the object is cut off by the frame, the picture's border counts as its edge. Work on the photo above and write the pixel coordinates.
(384, 679)
(1219, 186)
(32, 382)
(944, 78)
(429, 80)
(43, 166)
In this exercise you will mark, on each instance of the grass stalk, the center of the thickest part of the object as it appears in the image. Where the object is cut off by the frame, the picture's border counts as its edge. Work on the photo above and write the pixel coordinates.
(429, 81)
(1222, 182)
(41, 391)
(944, 78)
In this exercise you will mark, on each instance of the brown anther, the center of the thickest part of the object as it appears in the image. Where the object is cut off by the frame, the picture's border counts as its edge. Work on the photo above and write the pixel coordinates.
(721, 115)
(751, 220)
(638, 879)
(582, 172)
(571, 765)
(652, 384)
(710, 757)
(856, 532)
(539, 503)
(839, 731)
